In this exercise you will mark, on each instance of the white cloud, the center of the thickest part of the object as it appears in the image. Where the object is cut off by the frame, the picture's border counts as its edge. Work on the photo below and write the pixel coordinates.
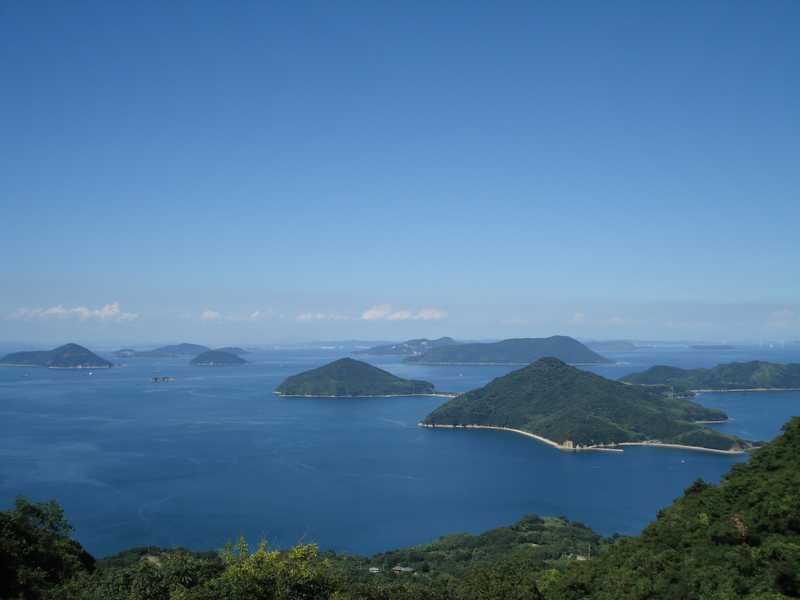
(107, 312)
(377, 312)
(578, 318)
(387, 313)
(261, 315)
(320, 316)
(210, 315)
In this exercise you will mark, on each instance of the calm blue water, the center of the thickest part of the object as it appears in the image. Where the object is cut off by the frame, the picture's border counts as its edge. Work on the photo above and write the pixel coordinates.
(215, 454)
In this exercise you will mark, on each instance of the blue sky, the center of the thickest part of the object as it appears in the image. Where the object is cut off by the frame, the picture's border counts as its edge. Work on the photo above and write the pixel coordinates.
(255, 172)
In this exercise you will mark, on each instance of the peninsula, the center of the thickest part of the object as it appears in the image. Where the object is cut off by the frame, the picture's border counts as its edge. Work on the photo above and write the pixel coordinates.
(350, 378)
(68, 356)
(512, 351)
(572, 409)
(217, 358)
(735, 376)
(409, 347)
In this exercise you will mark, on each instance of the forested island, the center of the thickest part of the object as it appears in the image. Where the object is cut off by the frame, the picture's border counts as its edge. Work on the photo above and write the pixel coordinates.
(348, 377)
(171, 351)
(409, 347)
(512, 351)
(217, 358)
(739, 539)
(68, 356)
(753, 375)
(573, 409)
(233, 350)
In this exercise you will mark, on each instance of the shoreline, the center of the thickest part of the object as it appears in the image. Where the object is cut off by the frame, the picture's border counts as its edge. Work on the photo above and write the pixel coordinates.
(430, 395)
(500, 364)
(595, 448)
(539, 438)
(725, 391)
(24, 366)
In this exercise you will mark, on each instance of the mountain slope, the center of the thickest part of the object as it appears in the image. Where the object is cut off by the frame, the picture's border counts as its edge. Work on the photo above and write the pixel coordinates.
(350, 378)
(740, 539)
(564, 404)
(68, 356)
(513, 351)
(747, 375)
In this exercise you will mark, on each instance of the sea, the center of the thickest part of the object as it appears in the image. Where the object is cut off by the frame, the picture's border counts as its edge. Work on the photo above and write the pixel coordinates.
(198, 461)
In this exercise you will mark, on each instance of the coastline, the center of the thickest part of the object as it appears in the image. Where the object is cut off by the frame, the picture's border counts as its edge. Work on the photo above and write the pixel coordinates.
(500, 364)
(28, 366)
(563, 447)
(430, 395)
(569, 447)
(721, 391)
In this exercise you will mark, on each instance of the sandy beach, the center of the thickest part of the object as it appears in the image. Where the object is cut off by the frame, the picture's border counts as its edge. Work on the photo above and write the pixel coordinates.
(569, 447)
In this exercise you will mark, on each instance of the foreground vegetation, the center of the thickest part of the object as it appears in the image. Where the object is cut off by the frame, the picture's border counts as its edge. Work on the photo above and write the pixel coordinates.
(565, 404)
(740, 539)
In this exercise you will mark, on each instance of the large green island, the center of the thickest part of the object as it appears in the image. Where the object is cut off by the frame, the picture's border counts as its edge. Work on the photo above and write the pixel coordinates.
(572, 409)
(68, 356)
(512, 351)
(747, 376)
(351, 378)
(217, 358)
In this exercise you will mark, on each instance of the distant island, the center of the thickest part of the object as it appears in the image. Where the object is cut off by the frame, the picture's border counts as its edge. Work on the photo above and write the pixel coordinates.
(409, 347)
(68, 356)
(513, 351)
(217, 358)
(233, 350)
(171, 351)
(350, 378)
(753, 375)
(612, 346)
(572, 409)
(712, 347)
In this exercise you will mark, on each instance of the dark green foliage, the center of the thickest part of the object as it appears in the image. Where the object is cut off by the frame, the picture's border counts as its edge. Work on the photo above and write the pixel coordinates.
(409, 348)
(560, 402)
(217, 358)
(740, 539)
(748, 375)
(349, 377)
(63, 357)
(36, 552)
(513, 351)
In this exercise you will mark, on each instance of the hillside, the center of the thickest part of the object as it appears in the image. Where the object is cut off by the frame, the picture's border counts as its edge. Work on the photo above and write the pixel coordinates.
(747, 375)
(573, 407)
(68, 356)
(350, 378)
(216, 358)
(409, 347)
(513, 351)
(740, 539)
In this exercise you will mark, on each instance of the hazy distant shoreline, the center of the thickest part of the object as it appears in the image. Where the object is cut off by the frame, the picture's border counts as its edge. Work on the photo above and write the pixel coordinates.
(595, 448)
(432, 395)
